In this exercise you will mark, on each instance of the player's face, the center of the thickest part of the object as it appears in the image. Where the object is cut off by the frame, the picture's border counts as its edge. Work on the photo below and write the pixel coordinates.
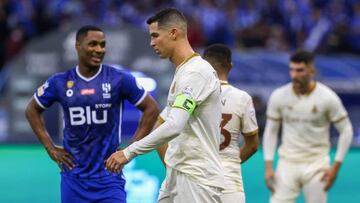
(160, 40)
(301, 75)
(91, 49)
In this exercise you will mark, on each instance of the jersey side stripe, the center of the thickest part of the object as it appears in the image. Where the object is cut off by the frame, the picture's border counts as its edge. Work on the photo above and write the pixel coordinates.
(120, 121)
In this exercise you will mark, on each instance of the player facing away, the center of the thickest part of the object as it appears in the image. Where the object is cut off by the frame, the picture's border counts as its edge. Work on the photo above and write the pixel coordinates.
(92, 96)
(305, 109)
(238, 118)
(191, 119)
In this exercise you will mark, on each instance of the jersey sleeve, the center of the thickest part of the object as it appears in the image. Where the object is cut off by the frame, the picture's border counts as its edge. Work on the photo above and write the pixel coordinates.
(336, 108)
(195, 86)
(132, 90)
(249, 123)
(273, 108)
(46, 94)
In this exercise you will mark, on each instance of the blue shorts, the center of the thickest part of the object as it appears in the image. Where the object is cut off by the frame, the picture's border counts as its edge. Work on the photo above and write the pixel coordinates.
(105, 190)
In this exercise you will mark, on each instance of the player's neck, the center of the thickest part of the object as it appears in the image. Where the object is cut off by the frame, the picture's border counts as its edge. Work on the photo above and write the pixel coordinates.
(223, 77)
(307, 89)
(181, 54)
(87, 71)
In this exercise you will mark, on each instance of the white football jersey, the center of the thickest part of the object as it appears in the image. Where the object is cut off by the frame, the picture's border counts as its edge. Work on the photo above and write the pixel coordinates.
(305, 120)
(195, 152)
(238, 118)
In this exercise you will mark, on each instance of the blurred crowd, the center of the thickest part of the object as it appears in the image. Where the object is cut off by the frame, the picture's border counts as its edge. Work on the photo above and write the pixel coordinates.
(316, 25)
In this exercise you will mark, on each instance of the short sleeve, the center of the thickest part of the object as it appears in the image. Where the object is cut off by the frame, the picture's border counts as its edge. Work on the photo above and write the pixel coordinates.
(336, 108)
(132, 90)
(195, 86)
(273, 107)
(46, 94)
(249, 122)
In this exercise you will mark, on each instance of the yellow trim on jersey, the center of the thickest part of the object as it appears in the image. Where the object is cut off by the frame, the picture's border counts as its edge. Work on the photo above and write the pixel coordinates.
(272, 118)
(161, 120)
(224, 82)
(340, 119)
(186, 60)
(255, 132)
(183, 101)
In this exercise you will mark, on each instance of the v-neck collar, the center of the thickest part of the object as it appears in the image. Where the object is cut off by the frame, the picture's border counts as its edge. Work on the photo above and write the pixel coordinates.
(85, 78)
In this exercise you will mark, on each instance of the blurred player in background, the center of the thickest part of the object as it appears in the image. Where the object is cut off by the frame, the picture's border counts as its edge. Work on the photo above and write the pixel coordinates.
(191, 119)
(92, 96)
(238, 118)
(305, 109)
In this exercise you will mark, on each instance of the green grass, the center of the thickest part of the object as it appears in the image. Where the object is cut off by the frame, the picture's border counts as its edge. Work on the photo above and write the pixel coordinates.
(28, 175)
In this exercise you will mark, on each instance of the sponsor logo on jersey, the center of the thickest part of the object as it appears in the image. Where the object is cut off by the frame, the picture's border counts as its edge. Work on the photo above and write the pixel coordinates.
(70, 84)
(223, 101)
(41, 89)
(106, 88)
(84, 115)
(87, 91)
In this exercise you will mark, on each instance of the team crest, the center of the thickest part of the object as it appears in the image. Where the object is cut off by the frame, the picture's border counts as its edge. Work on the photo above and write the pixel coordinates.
(70, 84)
(106, 88)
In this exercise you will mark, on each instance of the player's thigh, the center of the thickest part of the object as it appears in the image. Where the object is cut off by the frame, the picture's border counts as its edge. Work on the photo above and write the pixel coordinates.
(236, 197)
(314, 190)
(286, 183)
(188, 191)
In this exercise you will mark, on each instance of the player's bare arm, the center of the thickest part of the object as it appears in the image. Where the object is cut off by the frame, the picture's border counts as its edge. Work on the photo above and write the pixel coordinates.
(34, 116)
(150, 112)
(251, 143)
(345, 130)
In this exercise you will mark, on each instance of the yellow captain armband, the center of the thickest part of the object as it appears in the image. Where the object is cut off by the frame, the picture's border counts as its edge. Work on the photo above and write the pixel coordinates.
(183, 101)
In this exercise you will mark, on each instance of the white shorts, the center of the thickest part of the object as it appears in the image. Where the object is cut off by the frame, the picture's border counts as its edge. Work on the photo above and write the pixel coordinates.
(178, 188)
(236, 197)
(292, 178)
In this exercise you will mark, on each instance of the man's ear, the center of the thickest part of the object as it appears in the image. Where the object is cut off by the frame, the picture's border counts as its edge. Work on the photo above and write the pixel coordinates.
(174, 34)
(77, 45)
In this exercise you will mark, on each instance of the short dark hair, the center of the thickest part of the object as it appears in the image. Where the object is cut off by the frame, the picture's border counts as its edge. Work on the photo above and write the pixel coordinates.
(302, 56)
(218, 53)
(167, 16)
(82, 32)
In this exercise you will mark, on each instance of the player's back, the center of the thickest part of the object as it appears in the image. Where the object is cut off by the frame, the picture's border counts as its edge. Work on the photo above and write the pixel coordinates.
(238, 116)
(195, 151)
(92, 115)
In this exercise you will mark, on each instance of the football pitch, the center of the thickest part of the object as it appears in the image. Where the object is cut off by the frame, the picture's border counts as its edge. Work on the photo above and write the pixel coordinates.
(28, 175)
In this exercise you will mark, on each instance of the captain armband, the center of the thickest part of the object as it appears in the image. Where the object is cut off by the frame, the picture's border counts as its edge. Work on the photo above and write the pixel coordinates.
(183, 101)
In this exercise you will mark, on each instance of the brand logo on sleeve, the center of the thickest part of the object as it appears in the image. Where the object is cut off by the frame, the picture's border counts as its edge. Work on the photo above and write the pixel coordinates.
(41, 89)
(106, 88)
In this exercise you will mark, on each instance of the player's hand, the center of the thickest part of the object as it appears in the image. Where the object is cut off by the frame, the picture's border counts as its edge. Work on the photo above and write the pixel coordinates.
(116, 162)
(61, 157)
(329, 177)
(270, 178)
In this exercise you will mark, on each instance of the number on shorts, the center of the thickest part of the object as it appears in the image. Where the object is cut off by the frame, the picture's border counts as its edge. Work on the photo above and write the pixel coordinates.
(225, 119)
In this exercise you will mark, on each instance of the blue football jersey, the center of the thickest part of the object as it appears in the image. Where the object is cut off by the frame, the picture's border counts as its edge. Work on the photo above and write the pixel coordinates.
(92, 110)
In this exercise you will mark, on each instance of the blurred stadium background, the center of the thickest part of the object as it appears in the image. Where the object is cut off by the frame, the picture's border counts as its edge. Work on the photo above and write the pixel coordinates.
(37, 40)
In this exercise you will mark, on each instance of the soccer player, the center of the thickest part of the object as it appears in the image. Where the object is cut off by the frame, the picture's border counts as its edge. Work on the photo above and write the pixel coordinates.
(238, 118)
(92, 95)
(305, 109)
(191, 119)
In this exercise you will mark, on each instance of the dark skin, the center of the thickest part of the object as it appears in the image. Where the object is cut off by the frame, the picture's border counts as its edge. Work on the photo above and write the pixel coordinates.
(91, 51)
